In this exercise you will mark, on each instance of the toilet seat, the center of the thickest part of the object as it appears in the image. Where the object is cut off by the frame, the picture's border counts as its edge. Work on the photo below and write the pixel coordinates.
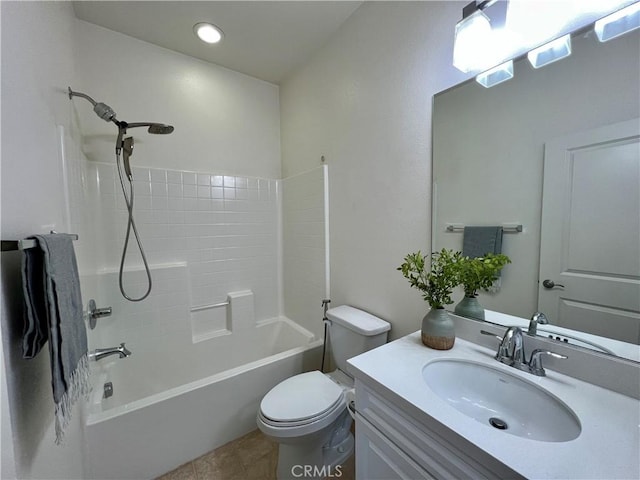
(301, 398)
(301, 404)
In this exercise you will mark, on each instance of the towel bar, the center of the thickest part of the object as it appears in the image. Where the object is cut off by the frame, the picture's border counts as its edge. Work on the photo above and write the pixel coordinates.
(505, 228)
(8, 245)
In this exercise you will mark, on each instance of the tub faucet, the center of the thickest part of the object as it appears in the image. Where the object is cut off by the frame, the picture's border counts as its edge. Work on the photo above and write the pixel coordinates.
(536, 318)
(100, 353)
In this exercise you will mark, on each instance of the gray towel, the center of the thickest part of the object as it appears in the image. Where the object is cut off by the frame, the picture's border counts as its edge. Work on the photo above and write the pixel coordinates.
(53, 311)
(478, 241)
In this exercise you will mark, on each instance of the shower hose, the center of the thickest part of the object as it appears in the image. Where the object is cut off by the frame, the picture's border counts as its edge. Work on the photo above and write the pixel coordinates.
(131, 225)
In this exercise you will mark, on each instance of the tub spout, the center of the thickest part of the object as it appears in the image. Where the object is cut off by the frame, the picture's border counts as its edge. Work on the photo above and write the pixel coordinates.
(100, 353)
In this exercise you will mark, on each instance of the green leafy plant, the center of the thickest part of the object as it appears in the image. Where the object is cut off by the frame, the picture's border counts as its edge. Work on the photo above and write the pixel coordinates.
(437, 281)
(477, 274)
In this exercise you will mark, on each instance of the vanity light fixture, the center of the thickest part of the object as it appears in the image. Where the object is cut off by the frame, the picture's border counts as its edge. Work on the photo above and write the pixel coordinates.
(472, 42)
(618, 23)
(550, 52)
(496, 75)
(207, 32)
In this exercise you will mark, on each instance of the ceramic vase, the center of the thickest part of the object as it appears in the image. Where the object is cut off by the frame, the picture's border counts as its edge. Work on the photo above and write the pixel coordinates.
(438, 330)
(470, 307)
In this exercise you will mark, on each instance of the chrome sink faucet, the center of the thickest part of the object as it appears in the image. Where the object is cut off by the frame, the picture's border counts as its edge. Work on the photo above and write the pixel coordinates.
(511, 352)
(511, 348)
(537, 318)
(100, 353)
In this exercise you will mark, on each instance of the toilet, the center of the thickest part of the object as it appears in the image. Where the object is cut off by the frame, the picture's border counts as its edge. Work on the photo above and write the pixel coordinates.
(307, 414)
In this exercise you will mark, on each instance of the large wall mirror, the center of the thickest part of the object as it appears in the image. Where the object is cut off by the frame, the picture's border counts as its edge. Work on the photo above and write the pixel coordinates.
(557, 151)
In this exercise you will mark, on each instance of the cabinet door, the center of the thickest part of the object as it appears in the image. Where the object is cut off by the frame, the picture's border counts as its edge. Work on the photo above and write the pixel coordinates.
(379, 459)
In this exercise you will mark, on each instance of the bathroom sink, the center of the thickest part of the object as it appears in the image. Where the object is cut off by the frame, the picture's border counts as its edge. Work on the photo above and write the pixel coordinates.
(501, 400)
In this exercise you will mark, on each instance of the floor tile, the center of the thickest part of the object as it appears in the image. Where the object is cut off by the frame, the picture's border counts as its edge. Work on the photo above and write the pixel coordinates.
(184, 472)
(220, 464)
(250, 457)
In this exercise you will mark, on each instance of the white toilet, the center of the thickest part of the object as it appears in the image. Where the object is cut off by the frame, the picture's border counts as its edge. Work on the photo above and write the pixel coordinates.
(307, 413)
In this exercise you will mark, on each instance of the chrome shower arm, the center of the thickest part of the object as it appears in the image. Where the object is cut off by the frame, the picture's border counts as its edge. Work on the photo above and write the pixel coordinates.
(103, 110)
(82, 95)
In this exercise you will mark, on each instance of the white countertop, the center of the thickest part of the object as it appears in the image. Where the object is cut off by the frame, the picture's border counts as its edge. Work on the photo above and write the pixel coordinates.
(608, 446)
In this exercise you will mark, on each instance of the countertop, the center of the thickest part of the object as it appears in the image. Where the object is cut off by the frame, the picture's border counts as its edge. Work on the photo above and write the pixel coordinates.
(608, 446)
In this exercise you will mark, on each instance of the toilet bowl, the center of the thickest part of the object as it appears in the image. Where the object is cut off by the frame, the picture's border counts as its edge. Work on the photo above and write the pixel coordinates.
(307, 414)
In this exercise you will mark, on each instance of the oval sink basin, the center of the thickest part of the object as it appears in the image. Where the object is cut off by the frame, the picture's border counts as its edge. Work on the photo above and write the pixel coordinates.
(501, 401)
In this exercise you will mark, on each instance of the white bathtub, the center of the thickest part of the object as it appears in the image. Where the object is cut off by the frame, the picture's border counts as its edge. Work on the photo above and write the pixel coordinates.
(170, 409)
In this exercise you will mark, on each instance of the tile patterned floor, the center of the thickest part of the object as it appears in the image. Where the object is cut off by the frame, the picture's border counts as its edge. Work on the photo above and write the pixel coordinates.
(252, 457)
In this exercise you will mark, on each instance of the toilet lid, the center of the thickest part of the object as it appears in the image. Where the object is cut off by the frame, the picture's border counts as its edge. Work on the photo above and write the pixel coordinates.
(301, 397)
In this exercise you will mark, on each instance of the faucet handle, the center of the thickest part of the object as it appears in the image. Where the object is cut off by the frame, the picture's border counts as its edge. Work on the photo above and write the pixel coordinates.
(535, 363)
(497, 337)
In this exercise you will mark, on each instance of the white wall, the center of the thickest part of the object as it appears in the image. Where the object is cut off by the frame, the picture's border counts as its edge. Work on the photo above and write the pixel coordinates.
(489, 149)
(37, 64)
(225, 122)
(364, 101)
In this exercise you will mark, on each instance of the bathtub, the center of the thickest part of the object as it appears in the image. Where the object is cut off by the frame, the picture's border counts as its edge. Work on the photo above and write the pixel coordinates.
(175, 407)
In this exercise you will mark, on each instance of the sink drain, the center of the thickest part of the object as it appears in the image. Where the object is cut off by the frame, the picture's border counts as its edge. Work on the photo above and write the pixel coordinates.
(498, 423)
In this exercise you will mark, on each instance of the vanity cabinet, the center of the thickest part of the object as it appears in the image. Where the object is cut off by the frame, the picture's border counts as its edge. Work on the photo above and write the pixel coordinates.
(391, 442)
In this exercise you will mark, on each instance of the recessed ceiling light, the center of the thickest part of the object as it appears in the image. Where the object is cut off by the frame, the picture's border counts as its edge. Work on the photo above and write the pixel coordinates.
(207, 32)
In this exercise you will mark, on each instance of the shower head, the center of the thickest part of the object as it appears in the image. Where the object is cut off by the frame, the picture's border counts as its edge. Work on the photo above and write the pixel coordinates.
(154, 128)
(160, 129)
(106, 113)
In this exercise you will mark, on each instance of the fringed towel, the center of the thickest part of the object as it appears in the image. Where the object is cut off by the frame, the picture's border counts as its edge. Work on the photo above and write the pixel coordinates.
(53, 311)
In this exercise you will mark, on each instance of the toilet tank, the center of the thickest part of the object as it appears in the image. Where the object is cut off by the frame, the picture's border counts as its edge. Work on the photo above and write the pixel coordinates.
(352, 332)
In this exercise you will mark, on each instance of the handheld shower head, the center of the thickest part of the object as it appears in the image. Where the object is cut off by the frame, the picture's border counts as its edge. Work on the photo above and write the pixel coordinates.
(127, 151)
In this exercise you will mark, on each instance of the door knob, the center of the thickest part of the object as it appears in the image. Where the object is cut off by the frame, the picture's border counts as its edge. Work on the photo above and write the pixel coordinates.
(550, 284)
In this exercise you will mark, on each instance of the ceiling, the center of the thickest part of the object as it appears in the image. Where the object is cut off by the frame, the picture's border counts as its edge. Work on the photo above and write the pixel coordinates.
(267, 40)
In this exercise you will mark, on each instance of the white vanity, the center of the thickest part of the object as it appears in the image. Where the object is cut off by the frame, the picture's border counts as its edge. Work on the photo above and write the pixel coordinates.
(421, 414)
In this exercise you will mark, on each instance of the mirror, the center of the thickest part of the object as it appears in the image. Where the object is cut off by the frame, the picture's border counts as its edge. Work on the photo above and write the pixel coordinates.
(489, 152)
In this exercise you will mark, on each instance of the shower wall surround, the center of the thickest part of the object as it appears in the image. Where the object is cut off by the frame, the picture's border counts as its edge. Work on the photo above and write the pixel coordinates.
(305, 247)
(205, 235)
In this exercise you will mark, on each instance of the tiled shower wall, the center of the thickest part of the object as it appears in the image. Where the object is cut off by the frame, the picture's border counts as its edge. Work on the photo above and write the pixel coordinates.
(223, 229)
(305, 248)
(205, 236)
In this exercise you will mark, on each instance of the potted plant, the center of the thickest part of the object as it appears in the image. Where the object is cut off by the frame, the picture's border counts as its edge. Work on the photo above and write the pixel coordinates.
(436, 279)
(476, 274)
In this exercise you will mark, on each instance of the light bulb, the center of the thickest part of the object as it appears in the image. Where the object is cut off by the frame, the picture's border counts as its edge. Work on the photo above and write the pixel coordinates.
(207, 32)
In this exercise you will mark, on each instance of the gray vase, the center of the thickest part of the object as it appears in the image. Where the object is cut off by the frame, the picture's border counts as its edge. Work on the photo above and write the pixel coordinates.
(470, 307)
(438, 329)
